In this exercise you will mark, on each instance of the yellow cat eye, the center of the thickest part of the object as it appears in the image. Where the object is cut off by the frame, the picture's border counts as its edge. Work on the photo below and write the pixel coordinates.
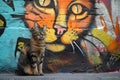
(77, 9)
(44, 2)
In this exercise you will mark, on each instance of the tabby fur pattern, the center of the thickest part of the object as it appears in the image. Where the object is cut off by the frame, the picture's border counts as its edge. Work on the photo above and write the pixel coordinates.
(32, 55)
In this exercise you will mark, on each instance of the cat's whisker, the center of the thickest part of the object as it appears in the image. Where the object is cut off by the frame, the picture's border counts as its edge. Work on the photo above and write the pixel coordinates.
(72, 47)
(78, 48)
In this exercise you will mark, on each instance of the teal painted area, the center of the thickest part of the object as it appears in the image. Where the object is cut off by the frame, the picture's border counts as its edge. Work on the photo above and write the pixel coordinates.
(14, 28)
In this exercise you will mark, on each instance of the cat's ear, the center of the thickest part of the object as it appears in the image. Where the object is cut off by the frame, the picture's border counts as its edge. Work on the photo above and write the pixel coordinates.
(44, 28)
(36, 26)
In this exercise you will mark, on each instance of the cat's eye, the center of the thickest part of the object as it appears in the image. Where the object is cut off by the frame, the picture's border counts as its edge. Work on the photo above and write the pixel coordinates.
(78, 9)
(45, 3)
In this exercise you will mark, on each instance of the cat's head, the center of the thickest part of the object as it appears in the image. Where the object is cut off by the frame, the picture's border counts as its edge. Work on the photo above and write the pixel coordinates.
(38, 33)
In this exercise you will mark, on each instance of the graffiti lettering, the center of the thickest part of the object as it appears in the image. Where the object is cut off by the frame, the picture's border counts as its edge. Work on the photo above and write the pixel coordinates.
(20, 45)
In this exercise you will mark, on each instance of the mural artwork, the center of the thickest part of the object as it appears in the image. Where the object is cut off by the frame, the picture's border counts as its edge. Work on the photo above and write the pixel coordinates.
(81, 35)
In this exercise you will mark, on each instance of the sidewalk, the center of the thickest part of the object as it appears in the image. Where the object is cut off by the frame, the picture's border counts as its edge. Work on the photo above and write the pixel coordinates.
(64, 76)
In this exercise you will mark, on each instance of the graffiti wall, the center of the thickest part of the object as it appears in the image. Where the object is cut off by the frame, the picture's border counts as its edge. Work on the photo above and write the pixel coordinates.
(81, 35)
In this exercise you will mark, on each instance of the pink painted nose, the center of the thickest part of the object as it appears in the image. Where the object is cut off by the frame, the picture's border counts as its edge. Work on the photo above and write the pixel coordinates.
(60, 29)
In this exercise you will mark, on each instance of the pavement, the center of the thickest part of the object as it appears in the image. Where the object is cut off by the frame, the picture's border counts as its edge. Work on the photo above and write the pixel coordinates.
(63, 76)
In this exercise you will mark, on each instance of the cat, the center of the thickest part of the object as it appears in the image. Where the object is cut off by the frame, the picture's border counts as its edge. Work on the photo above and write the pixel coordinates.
(31, 59)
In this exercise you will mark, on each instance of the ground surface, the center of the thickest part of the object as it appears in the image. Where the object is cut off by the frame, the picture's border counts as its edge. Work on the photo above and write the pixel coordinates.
(64, 76)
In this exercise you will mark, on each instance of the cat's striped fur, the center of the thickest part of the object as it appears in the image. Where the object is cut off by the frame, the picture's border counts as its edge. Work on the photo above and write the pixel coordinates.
(31, 59)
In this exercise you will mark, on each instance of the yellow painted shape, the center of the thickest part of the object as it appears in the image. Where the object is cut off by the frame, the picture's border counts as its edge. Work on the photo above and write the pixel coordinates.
(102, 35)
(1, 23)
(68, 37)
(106, 39)
(50, 35)
(55, 47)
(20, 45)
(95, 60)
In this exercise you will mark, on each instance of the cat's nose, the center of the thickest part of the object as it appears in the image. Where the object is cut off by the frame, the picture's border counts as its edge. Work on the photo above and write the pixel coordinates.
(60, 30)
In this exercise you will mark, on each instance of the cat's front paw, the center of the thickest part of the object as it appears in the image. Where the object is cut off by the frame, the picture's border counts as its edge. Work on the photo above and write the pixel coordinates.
(41, 74)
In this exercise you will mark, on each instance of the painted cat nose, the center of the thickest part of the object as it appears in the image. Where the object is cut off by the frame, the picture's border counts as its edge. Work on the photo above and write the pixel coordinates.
(60, 30)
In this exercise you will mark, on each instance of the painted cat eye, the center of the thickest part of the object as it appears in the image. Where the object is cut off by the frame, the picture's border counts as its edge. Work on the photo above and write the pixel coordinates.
(78, 9)
(45, 3)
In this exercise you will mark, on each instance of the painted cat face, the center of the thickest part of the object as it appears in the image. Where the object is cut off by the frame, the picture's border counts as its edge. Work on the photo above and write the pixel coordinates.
(64, 19)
